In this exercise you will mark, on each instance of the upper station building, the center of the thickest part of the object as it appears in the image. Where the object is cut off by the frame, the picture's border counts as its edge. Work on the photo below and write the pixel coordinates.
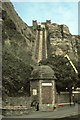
(38, 26)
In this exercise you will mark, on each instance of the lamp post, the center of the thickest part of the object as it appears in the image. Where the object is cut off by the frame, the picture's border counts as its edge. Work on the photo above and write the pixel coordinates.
(73, 99)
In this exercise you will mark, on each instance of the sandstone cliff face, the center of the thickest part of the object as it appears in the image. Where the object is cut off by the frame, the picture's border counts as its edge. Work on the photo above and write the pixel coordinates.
(20, 25)
(62, 41)
(17, 52)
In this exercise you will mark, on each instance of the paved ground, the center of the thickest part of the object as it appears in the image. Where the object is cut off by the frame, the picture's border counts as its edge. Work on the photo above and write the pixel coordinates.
(61, 112)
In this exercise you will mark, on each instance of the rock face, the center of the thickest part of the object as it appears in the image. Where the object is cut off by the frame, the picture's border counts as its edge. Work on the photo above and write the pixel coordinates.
(61, 41)
(17, 22)
(17, 40)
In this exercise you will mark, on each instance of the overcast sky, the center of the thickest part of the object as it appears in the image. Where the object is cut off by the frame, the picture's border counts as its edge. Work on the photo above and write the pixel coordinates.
(57, 12)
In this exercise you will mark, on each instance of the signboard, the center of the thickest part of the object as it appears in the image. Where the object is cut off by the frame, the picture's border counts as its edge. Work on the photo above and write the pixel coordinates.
(46, 84)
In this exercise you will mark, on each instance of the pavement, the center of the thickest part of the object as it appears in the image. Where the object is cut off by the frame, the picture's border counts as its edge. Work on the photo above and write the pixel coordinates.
(60, 112)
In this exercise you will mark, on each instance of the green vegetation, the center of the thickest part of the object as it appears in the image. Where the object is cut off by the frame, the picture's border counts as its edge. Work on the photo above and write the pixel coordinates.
(66, 76)
(15, 75)
(17, 62)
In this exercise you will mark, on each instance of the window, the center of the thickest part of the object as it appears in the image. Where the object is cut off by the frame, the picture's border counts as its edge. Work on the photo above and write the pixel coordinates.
(34, 91)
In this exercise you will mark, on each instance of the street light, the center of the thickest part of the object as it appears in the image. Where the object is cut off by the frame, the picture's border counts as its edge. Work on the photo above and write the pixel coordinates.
(73, 96)
(66, 89)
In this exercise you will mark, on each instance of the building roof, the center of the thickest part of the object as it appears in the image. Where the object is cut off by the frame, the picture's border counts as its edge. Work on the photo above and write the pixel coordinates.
(43, 72)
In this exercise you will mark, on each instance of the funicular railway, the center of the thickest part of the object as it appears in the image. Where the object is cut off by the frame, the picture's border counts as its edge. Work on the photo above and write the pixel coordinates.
(42, 84)
(40, 49)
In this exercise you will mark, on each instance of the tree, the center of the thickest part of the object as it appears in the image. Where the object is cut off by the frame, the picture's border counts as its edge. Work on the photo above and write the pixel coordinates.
(16, 75)
(66, 76)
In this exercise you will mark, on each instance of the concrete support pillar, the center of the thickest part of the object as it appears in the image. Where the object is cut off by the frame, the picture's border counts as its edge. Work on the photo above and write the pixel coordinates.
(40, 47)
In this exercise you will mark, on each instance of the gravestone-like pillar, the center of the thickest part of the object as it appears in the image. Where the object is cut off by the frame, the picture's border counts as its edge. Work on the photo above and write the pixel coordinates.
(48, 21)
(34, 23)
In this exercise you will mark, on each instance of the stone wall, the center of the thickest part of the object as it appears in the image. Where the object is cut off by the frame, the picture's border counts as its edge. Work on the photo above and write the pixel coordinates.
(63, 97)
(17, 106)
(17, 101)
(34, 85)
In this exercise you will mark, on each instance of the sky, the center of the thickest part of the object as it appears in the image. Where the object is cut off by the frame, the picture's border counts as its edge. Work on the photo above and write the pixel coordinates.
(58, 12)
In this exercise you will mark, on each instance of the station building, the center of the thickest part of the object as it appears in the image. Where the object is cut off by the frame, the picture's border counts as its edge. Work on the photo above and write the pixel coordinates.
(42, 88)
